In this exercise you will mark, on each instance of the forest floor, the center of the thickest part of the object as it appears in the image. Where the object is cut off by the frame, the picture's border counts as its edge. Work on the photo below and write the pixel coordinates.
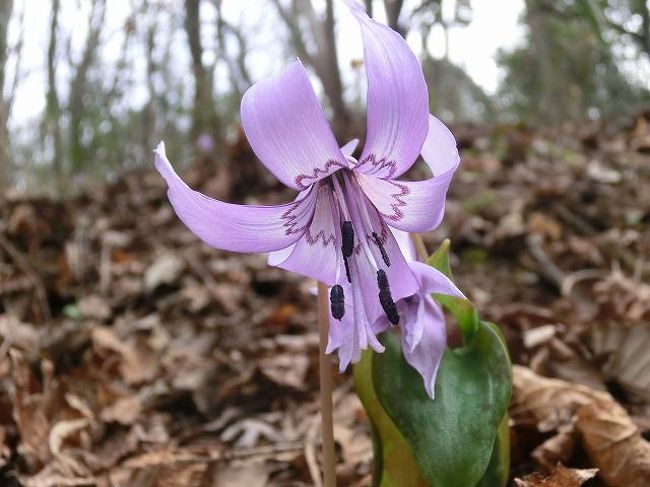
(134, 355)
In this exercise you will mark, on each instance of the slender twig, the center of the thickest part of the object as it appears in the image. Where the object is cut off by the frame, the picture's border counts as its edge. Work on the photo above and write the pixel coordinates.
(327, 423)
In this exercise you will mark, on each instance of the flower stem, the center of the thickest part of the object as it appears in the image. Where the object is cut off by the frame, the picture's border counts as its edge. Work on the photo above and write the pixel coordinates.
(327, 423)
(421, 249)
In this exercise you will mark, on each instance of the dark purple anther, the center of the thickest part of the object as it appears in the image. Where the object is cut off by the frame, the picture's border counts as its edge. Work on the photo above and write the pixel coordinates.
(386, 299)
(347, 235)
(337, 301)
(384, 255)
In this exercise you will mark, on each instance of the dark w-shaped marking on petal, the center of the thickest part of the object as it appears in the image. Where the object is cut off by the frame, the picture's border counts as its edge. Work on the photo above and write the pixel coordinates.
(379, 164)
(317, 173)
(399, 202)
(290, 218)
(320, 237)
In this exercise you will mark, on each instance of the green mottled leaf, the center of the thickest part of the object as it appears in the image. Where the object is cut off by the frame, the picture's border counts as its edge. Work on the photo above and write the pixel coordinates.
(466, 315)
(440, 259)
(394, 465)
(498, 469)
(452, 437)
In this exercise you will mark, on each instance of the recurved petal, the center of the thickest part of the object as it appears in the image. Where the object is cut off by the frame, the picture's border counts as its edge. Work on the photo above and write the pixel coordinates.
(237, 228)
(426, 356)
(287, 129)
(398, 99)
(418, 206)
(432, 280)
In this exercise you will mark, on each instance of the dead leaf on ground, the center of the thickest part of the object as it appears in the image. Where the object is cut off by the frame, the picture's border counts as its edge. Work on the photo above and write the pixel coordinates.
(615, 444)
(248, 473)
(608, 434)
(560, 477)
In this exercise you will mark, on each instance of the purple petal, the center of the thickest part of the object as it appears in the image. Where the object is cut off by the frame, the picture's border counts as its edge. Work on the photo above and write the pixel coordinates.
(418, 206)
(398, 100)
(412, 326)
(405, 243)
(238, 228)
(287, 129)
(426, 356)
(350, 147)
(401, 278)
(433, 281)
(314, 255)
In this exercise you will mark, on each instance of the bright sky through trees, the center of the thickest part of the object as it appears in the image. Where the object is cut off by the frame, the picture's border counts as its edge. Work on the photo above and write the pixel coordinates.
(473, 47)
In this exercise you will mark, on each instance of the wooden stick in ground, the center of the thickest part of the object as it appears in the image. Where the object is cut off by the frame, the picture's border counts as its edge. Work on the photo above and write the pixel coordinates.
(327, 424)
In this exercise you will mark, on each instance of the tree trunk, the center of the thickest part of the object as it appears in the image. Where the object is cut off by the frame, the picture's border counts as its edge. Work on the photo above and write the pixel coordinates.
(551, 104)
(368, 4)
(52, 105)
(204, 117)
(331, 74)
(79, 84)
(393, 9)
(6, 7)
(323, 59)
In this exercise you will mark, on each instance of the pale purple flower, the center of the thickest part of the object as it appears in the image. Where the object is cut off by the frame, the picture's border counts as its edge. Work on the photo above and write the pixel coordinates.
(337, 230)
(423, 331)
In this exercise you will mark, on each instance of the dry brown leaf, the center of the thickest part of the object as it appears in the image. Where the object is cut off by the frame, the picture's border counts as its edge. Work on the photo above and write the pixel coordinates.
(615, 444)
(557, 449)
(139, 362)
(62, 430)
(560, 477)
(29, 412)
(548, 402)
(544, 225)
(249, 473)
(608, 434)
(125, 410)
(166, 269)
(95, 307)
(623, 349)
(287, 369)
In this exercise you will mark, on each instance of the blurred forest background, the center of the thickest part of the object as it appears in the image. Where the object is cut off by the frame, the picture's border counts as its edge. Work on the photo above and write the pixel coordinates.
(133, 354)
(108, 90)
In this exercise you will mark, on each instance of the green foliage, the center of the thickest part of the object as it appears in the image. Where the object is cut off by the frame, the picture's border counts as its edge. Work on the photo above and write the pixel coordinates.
(394, 465)
(453, 436)
(460, 439)
(564, 70)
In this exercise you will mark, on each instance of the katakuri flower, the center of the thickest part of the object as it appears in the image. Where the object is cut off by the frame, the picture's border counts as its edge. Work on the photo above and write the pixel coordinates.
(337, 229)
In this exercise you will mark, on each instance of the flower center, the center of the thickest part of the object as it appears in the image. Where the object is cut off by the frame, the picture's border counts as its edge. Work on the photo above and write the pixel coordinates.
(350, 209)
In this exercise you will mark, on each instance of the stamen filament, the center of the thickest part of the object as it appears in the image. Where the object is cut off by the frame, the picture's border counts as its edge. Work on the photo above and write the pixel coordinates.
(384, 254)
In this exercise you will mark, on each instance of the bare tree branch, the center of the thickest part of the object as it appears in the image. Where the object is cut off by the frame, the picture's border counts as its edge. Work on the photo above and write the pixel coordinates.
(204, 114)
(239, 75)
